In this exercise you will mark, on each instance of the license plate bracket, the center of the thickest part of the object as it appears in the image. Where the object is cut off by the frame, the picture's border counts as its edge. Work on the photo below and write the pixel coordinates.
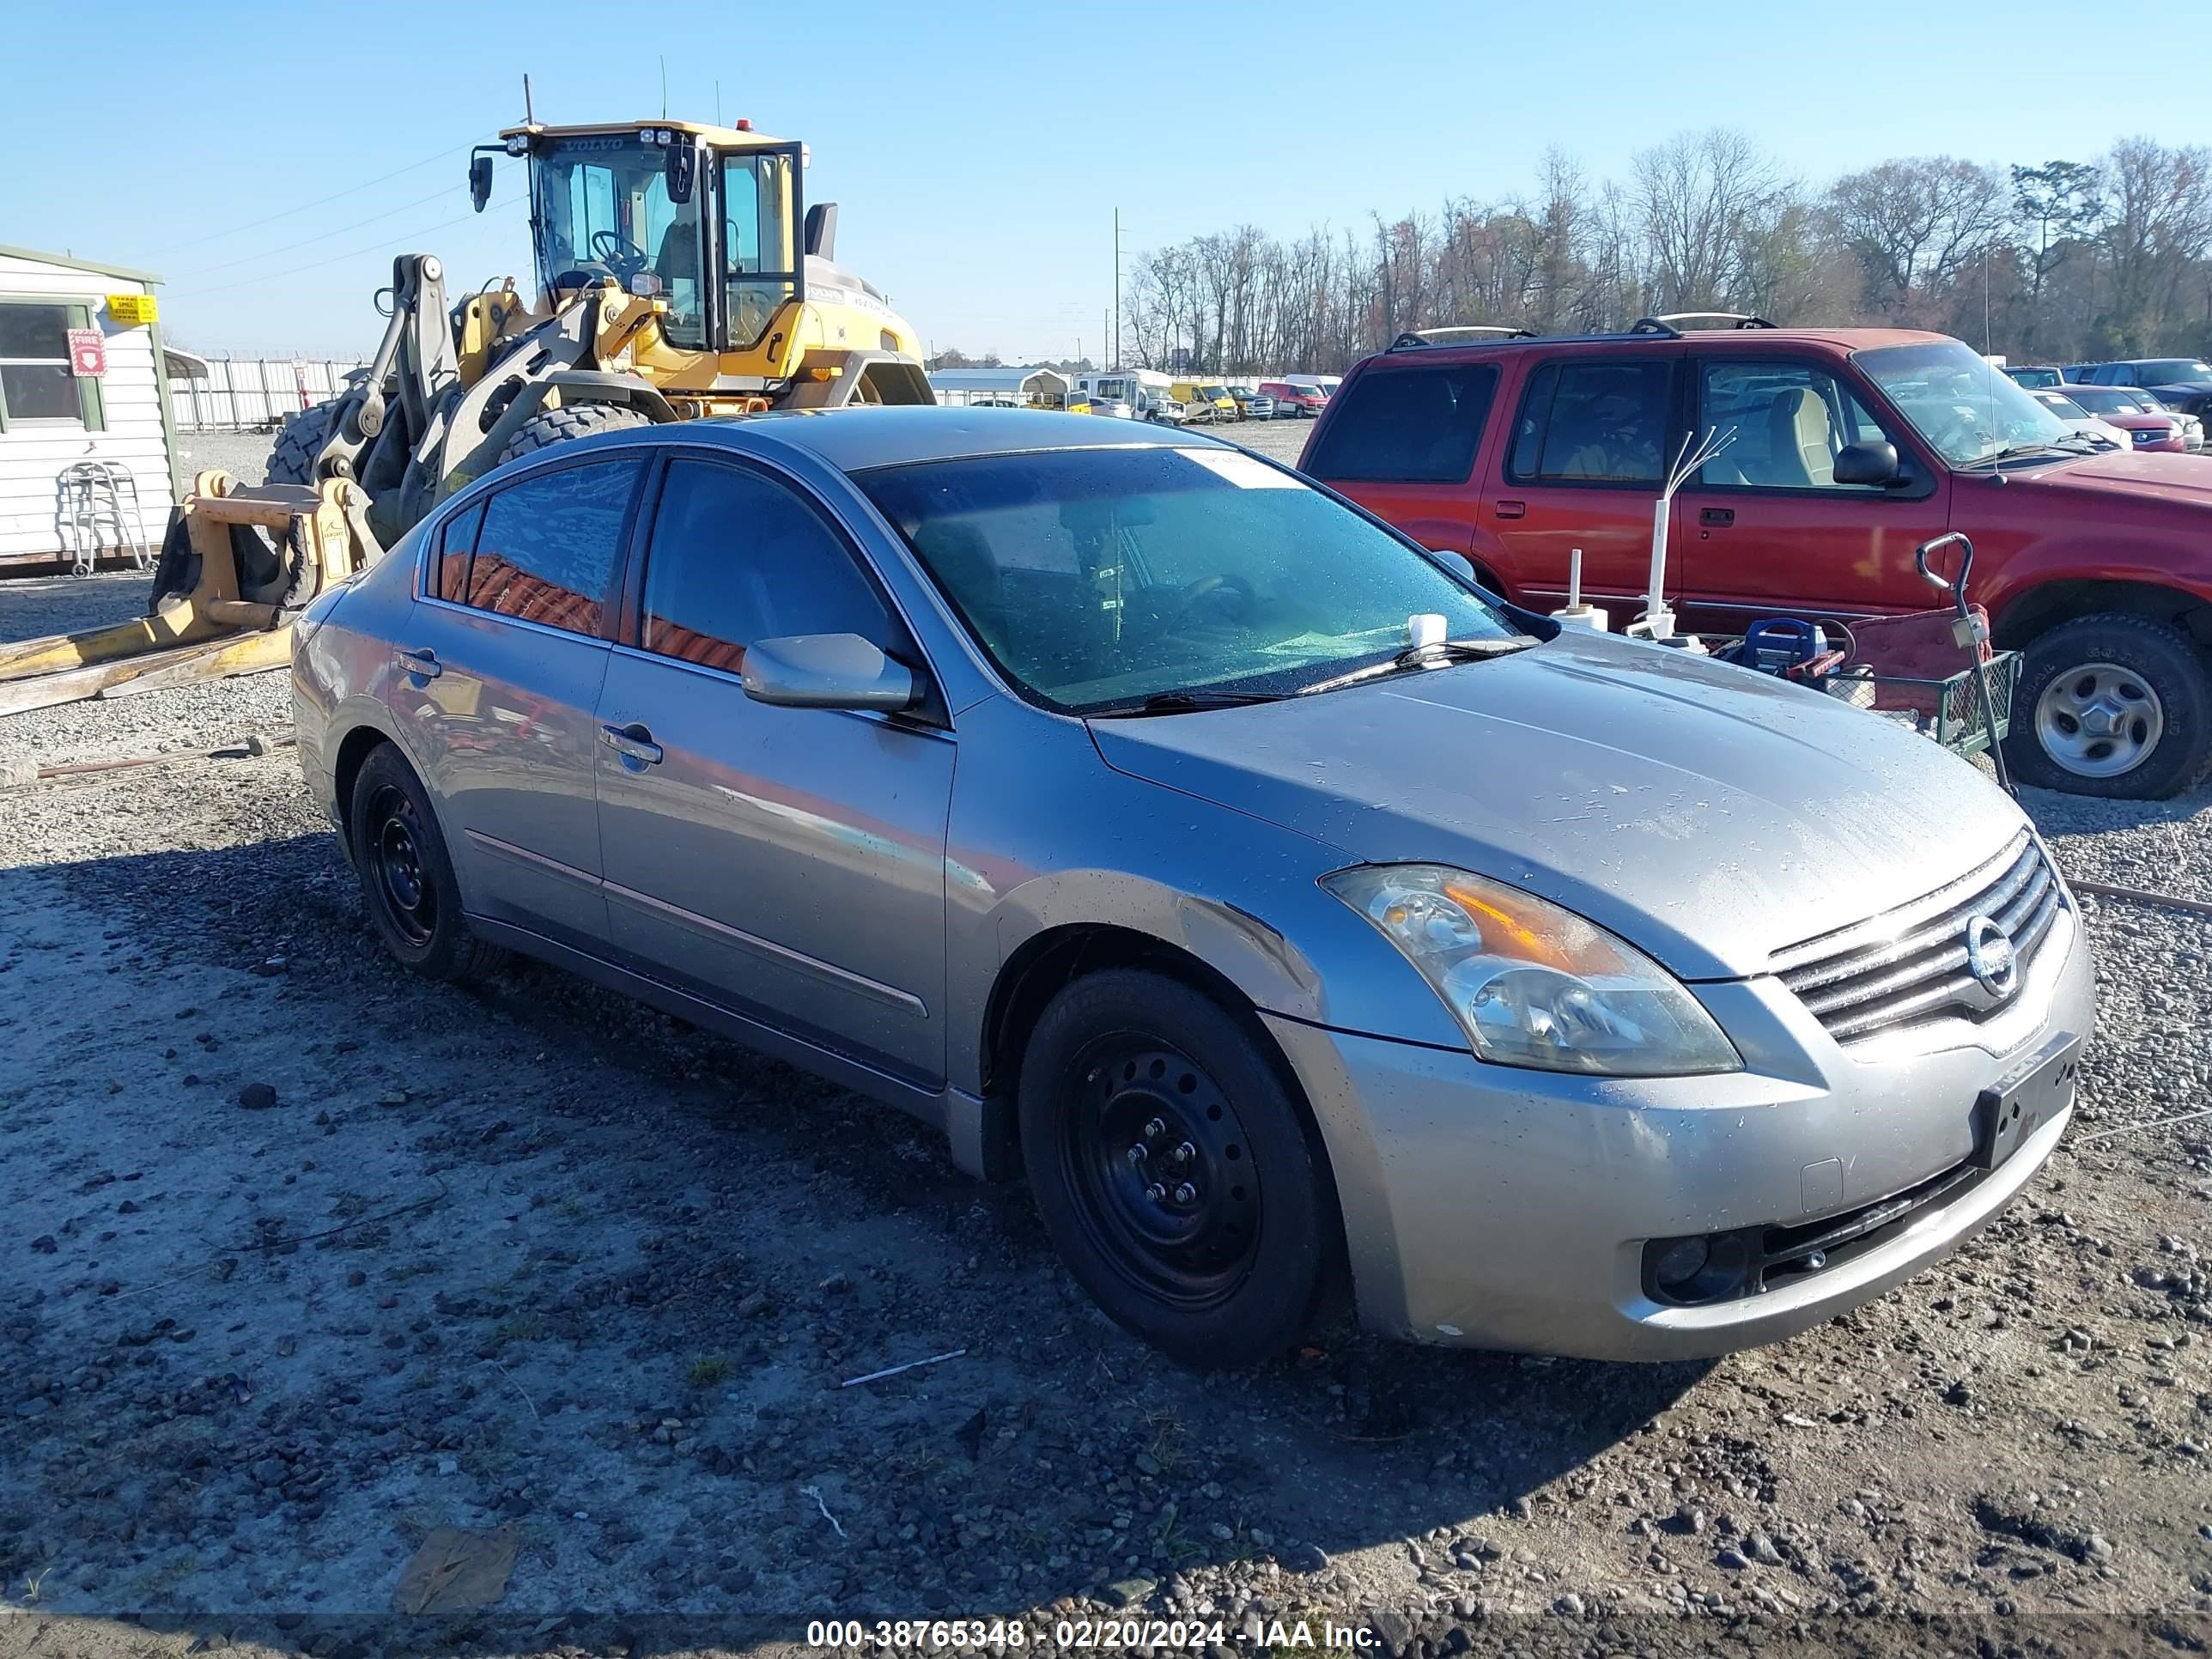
(2023, 1100)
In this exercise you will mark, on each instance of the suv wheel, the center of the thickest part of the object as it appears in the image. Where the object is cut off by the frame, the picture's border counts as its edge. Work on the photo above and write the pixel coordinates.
(2114, 706)
(1173, 1169)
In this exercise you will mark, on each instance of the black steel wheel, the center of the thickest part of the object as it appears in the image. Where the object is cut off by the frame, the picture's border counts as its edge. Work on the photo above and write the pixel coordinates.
(407, 880)
(1177, 1174)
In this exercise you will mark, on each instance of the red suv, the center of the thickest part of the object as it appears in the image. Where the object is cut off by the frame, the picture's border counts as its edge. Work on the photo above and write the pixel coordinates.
(1846, 448)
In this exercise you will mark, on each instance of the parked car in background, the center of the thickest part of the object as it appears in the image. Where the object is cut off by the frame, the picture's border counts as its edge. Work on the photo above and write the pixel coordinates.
(1169, 411)
(2183, 383)
(1117, 408)
(1240, 923)
(1292, 401)
(1197, 408)
(2148, 425)
(1254, 405)
(2032, 375)
(2079, 419)
(1850, 447)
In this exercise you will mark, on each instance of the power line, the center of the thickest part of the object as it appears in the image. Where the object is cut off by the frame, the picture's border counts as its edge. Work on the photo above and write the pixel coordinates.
(335, 196)
(305, 241)
(353, 254)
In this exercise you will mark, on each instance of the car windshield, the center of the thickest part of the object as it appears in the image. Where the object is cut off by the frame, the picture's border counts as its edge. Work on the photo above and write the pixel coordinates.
(2064, 407)
(2174, 371)
(1965, 409)
(2034, 377)
(2105, 399)
(604, 210)
(1097, 578)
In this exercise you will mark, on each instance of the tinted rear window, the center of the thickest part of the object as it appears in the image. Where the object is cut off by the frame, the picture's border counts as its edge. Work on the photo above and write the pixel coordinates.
(1408, 425)
(1594, 421)
(547, 550)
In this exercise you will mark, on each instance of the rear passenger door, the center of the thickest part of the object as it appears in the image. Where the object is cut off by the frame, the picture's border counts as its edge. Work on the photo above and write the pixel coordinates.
(1402, 441)
(1591, 440)
(787, 863)
(497, 678)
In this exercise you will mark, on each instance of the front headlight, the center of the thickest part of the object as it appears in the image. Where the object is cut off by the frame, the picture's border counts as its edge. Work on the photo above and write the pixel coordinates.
(1531, 984)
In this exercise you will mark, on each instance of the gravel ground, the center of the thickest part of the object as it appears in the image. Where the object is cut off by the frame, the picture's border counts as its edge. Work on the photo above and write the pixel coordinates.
(302, 1261)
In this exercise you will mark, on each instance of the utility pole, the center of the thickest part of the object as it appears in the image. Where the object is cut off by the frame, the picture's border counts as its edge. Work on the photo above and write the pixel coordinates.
(1117, 288)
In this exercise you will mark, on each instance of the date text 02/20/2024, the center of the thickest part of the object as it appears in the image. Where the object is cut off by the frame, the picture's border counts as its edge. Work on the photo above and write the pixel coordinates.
(1078, 1635)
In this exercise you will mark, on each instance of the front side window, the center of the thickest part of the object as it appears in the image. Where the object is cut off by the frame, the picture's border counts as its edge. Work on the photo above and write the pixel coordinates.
(1593, 422)
(760, 242)
(604, 210)
(36, 380)
(1969, 413)
(1096, 579)
(736, 557)
(1784, 423)
(547, 549)
(1408, 425)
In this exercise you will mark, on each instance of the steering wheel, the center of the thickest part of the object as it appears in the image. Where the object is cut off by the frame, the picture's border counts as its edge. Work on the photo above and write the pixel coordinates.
(623, 257)
(1188, 597)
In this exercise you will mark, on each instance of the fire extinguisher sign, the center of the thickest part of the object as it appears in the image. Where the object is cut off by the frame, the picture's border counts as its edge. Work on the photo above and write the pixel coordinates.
(88, 349)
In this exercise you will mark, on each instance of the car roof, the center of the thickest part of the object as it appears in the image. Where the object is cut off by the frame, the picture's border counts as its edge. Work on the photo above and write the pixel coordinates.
(1754, 341)
(854, 440)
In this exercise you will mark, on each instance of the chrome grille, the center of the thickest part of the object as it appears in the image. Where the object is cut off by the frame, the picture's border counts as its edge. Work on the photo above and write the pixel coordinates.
(1909, 963)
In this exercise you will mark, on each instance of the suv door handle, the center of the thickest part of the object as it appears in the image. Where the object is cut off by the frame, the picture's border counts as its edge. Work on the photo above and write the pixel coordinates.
(1509, 509)
(633, 743)
(423, 665)
(1717, 515)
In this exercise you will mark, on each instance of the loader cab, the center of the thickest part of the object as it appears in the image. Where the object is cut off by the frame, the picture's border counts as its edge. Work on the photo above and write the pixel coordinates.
(710, 228)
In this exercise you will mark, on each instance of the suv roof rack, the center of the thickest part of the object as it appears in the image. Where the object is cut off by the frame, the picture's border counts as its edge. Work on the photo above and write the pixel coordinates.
(1668, 325)
(1458, 334)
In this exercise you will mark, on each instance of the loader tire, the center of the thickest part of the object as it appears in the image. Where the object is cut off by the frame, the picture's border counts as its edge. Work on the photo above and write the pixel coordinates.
(293, 459)
(550, 427)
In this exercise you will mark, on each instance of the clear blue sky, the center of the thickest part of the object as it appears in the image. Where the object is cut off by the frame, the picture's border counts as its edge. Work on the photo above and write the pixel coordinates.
(978, 151)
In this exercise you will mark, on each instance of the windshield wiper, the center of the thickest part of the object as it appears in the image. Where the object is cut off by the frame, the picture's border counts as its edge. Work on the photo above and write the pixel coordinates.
(1187, 701)
(1439, 655)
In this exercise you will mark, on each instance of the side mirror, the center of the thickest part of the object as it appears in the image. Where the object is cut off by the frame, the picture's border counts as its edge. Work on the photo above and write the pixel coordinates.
(1457, 563)
(826, 671)
(683, 171)
(479, 182)
(1871, 462)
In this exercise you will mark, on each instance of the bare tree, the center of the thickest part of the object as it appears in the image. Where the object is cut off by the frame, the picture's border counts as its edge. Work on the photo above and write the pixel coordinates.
(1915, 225)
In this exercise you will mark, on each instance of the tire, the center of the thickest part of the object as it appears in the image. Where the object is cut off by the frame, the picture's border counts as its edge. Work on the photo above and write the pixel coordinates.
(292, 460)
(2147, 679)
(407, 882)
(549, 427)
(1219, 1245)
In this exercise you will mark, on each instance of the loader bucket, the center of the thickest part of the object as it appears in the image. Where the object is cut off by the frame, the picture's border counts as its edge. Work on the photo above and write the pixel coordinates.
(212, 632)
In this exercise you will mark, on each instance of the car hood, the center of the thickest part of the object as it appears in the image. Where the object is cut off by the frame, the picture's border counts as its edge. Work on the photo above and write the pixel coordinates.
(2182, 479)
(1710, 815)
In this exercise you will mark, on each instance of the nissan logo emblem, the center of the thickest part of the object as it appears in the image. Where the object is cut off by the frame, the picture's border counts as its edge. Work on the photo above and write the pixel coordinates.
(1991, 958)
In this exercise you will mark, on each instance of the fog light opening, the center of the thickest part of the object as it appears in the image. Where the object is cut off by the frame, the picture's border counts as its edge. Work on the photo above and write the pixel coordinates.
(1682, 1262)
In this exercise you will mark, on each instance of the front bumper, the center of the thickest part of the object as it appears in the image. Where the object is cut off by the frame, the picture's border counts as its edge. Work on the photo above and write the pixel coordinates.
(1493, 1207)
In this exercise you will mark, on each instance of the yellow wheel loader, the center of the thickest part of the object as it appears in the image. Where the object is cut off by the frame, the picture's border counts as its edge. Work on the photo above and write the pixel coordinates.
(680, 274)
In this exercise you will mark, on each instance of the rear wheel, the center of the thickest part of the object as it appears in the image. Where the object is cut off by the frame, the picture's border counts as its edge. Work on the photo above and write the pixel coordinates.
(1173, 1169)
(549, 427)
(2114, 706)
(406, 876)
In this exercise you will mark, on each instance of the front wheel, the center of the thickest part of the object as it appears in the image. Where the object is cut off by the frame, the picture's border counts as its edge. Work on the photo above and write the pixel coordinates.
(2115, 706)
(1173, 1169)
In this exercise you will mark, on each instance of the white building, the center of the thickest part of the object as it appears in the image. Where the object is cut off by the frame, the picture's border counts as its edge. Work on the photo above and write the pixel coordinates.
(1046, 387)
(78, 346)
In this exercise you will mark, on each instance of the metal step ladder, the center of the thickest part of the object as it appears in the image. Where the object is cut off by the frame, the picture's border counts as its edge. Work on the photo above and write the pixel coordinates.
(94, 497)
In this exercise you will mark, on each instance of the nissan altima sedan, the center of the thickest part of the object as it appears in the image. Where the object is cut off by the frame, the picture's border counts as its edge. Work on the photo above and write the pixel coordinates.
(1298, 918)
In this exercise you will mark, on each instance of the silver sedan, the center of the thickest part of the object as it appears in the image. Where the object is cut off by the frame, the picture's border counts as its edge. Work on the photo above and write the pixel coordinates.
(1159, 826)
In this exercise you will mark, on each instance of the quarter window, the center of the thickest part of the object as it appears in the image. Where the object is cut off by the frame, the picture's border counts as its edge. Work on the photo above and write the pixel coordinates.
(737, 557)
(450, 581)
(1784, 421)
(1593, 422)
(1408, 425)
(548, 548)
(36, 383)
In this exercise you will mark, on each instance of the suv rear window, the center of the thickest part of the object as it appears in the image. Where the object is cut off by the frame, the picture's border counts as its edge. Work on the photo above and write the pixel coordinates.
(1408, 425)
(1592, 422)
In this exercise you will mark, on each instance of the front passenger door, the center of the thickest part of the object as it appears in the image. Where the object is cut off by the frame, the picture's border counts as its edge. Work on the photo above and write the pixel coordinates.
(788, 863)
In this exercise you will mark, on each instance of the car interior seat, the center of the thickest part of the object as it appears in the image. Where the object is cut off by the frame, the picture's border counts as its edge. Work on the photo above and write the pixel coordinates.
(1800, 440)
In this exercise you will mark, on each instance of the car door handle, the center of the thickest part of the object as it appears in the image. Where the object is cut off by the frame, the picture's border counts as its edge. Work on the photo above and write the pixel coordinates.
(423, 665)
(1717, 515)
(1509, 509)
(632, 743)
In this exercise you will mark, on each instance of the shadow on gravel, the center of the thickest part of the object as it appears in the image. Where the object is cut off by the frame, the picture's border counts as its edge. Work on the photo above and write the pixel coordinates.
(801, 1237)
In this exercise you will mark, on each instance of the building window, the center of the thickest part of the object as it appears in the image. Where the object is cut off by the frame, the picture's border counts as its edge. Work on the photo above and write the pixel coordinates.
(36, 385)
